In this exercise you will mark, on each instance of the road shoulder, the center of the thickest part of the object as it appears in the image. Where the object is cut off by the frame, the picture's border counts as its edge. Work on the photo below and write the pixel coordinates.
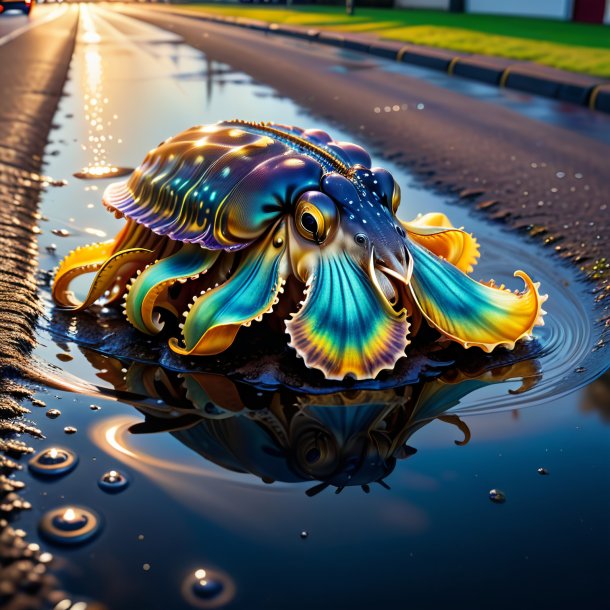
(33, 85)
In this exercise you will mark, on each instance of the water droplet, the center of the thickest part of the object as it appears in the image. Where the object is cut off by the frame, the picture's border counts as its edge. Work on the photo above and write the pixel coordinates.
(543, 471)
(53, 413)
(580, 369)
(304, 534)
(95, 407)
(207, 588)
(45, 558)
(69, 525)
(61, 232)
(113, 481)
(497, 496)
(146, 567)
(53, 461)
(70, 430)
(51, 248)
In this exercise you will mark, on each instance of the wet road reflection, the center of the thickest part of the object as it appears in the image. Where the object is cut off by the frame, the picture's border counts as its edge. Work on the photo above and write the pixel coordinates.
(338, 440)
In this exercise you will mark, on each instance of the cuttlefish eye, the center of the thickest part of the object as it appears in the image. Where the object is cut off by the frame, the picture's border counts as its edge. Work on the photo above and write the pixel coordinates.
(315, 216)
(360, 239)
(309, 223)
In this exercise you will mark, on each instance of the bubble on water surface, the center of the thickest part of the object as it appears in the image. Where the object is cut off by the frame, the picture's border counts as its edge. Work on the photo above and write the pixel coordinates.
(207, 588)
(497, 496)
(54, 461)
(69, 525)
(113, 481)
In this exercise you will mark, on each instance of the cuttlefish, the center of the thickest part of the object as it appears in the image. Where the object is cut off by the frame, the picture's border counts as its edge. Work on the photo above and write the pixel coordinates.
(231, 222)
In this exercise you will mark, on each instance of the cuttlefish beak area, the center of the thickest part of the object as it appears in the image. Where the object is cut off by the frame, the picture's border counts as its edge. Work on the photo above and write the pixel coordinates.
(352, 321)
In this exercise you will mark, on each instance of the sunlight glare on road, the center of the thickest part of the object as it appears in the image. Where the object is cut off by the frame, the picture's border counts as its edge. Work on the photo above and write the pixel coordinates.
(94, 101)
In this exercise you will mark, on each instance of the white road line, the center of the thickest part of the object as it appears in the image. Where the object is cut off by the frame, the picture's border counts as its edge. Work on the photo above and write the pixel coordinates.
(58, 12)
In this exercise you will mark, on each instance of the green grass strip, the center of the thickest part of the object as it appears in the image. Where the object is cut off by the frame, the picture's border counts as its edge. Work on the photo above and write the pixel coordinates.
(577, 47)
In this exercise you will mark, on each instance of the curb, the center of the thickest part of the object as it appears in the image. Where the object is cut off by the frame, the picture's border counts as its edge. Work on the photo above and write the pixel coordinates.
(528, 77)
(37, 83)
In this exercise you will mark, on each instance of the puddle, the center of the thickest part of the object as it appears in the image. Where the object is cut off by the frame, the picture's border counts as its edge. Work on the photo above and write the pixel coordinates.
(357, 498)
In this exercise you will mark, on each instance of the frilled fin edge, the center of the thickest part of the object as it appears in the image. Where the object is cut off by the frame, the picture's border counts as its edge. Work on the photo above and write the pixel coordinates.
(215, 317)
(469, 312)
(344, 326)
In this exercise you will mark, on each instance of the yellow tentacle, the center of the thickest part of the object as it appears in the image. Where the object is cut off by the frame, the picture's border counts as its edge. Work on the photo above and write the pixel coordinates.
(109, 274)
(436, 233)
(85, 259)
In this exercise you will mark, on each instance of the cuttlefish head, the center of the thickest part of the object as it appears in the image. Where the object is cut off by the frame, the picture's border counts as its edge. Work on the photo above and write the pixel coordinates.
(346, 245)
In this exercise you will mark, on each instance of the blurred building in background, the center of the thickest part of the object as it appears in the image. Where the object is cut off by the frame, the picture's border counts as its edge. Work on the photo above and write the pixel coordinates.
(591, 11)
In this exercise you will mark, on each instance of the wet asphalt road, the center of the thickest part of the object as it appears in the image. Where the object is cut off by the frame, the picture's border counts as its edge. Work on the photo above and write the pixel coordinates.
(34, 58)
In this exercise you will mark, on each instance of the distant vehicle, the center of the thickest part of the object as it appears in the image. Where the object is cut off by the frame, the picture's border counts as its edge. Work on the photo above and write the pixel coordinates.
(25, 6)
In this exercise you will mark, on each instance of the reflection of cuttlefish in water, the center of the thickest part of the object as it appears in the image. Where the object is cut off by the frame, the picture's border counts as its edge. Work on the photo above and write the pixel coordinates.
(229, 222)
(341, 439)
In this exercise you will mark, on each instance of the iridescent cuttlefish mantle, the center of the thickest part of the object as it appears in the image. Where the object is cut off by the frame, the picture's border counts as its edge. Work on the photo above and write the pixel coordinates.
(230, 222)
